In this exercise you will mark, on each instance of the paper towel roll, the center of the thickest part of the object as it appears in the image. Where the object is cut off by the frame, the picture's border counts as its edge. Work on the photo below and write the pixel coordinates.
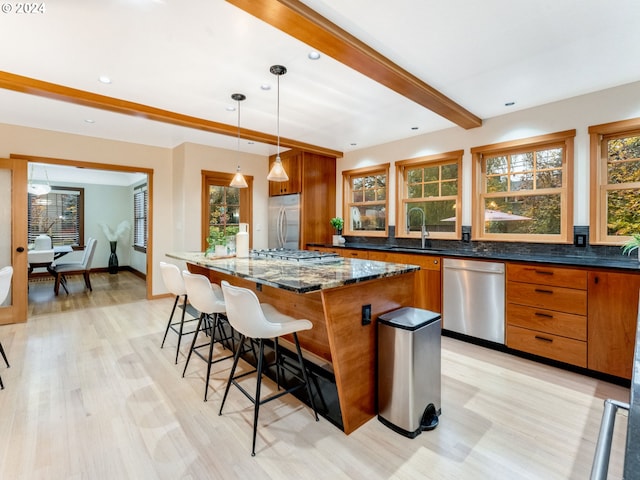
(242, 241)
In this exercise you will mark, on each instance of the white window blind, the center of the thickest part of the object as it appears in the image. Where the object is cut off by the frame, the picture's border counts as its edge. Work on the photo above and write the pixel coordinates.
(140, 209)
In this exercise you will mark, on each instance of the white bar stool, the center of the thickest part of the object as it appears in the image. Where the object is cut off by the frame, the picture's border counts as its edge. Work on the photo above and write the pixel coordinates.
(261, 321)
(174, 282)
(206, 297)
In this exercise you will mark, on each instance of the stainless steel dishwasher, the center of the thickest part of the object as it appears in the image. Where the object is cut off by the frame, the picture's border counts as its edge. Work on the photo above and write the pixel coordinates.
(473, 298)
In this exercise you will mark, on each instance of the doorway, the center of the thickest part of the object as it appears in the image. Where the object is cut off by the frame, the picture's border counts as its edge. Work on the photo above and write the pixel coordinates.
(109, 193)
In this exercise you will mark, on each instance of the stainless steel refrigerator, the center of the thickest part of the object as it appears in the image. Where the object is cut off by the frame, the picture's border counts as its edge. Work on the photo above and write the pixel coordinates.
(284, 221)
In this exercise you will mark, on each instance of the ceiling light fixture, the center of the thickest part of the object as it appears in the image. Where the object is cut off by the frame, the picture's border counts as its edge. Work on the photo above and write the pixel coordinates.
(104, 79)
(277, 173)
(38, 188)
(238, 180)
(313, 55)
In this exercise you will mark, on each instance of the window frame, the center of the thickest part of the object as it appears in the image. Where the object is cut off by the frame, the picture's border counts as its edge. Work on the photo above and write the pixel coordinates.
(599, 186)
(565, 139)
(144, 190)
(80, 214)
(223, 179)
(347, 177)
(402, 167)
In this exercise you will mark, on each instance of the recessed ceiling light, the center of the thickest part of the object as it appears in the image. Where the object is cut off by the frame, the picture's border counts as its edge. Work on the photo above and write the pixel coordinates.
(89, 120)
(265, 86)
(104, 79)
(414, 128)
(230, 108)
(509, 104)
(313, 55)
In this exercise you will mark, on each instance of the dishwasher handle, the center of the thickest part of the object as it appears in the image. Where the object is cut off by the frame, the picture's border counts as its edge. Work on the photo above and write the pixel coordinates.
(498, 271)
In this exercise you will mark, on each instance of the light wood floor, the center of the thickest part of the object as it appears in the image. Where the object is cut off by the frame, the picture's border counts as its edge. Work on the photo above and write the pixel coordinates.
(90, 395)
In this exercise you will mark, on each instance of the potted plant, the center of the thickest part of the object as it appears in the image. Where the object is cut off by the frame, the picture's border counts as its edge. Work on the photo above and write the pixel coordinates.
(337, 223)
(632, 244)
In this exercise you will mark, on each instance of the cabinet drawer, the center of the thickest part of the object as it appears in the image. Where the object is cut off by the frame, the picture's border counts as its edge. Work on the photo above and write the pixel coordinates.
(549, 321)
(560, 277)
(354, 253)
(546, 345)
(560, 299)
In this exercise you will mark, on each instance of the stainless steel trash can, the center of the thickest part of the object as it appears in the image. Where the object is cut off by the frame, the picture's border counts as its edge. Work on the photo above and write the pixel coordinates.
(409, 387)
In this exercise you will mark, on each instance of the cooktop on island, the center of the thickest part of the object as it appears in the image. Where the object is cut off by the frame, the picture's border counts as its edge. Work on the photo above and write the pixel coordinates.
(306, 256)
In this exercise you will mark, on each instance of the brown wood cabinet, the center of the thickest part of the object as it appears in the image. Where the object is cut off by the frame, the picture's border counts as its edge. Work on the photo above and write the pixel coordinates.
(427, 282)
(291, 163)
(313, 176)
(547, 312)
(613, 310)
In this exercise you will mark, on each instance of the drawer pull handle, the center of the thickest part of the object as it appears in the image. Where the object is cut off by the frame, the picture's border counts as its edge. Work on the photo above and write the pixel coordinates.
(544, 339)
(540, 290)
(543, 272)
(545, 315)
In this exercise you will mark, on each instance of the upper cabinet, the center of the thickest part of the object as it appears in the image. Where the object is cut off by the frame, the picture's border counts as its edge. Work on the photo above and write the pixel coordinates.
(313, 176)
(291, 161)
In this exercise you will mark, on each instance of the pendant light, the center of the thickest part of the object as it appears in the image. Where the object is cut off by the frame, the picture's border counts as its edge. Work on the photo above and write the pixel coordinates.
(238, 180)
(277, 173)
(38, 188)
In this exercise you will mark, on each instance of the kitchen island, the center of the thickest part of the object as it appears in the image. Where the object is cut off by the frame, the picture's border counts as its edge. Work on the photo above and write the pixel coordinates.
(333, 294)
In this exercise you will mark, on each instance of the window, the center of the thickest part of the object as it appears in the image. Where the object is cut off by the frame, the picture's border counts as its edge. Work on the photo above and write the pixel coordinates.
(224, 208)
(140, 215)
(365, 201)
(429, 194)
(615, 185)
(59, 214)
(523, 189)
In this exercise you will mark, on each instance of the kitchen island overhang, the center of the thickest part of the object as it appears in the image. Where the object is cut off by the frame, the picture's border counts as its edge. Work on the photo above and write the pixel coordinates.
(331, 295)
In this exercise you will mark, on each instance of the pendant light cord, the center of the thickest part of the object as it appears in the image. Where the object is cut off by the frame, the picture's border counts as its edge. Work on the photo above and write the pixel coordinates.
(278, 122)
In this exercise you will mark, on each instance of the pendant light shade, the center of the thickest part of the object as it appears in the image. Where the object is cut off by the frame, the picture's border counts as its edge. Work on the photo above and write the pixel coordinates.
(238, 180)
(38, 188)
(277, 172)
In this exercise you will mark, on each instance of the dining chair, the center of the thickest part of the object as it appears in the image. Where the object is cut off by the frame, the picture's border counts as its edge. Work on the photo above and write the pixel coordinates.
(60, 270)
(206, 297)
(174, 282)
(253, 320)
(5, 284)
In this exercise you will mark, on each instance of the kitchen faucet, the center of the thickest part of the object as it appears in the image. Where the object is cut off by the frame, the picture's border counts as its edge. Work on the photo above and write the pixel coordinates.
(424, 233)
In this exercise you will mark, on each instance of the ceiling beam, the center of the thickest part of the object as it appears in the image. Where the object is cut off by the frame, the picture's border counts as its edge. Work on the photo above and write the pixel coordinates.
(54, 91)
(296, 19)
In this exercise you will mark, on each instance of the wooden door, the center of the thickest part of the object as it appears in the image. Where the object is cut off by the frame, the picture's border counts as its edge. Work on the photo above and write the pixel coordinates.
(13, 236)
(611, 322)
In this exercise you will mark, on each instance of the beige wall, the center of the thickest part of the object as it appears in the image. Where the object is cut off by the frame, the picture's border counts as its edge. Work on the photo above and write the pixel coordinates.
(176, 180)
(576, 113)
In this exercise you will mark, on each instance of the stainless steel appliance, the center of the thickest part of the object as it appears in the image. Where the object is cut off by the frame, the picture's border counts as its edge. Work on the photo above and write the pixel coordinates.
(473, 298)
(302, 256)
(284, 221)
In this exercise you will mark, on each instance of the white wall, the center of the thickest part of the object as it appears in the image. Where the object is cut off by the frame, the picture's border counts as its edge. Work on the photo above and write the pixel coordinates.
(576, 113)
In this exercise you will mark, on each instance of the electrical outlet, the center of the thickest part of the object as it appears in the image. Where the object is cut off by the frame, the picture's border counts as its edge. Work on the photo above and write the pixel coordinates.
(580, 240)
(366, 314)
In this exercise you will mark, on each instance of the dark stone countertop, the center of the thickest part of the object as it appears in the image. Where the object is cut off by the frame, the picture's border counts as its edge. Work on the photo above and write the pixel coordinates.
(299, 277)
(618, 262)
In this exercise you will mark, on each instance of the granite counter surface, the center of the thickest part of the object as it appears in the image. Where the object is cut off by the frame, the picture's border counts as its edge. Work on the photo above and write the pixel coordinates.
(299, 277)
(622, 262)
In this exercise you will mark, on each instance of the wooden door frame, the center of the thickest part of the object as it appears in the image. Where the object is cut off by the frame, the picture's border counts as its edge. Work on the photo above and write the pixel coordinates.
(113, 168)
(17, 310)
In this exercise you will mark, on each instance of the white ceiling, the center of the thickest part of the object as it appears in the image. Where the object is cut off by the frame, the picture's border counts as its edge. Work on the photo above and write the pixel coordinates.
(190, 56)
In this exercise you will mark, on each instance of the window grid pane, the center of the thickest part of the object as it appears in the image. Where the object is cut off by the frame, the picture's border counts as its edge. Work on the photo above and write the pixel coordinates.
(368, 203)
(528, 172)
(56, 214)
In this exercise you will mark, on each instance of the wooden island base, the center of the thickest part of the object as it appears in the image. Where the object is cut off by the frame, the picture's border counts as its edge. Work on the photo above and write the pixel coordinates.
(338, 334)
